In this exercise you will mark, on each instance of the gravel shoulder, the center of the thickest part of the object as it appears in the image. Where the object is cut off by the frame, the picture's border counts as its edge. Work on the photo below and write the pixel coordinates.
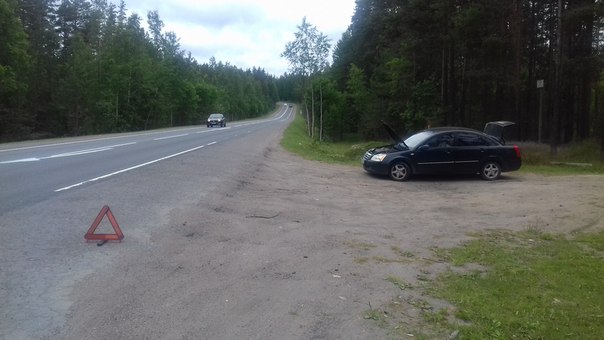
(290, 248)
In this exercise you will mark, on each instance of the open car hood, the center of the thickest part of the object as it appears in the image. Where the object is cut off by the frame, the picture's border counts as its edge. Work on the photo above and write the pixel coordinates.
(497, 128)
(393, 135)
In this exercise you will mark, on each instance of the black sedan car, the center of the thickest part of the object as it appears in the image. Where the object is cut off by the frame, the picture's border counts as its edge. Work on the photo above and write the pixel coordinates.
(216, 119)
(445, 150)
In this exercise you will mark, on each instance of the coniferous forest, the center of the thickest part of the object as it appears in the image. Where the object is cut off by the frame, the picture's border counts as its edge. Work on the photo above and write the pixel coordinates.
(418, 63)
(75, 67)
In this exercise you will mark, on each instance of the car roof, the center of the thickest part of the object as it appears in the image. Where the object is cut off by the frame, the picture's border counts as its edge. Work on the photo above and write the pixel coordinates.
(451, 129)
(442, 129)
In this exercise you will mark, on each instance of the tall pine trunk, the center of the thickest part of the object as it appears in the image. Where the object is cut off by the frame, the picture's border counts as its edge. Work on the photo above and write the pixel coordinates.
(555, 129)
(312, 110)
(517, 46)
(321, 113)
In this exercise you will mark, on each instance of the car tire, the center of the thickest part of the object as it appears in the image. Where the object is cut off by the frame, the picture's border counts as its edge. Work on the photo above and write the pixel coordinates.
(490, 170)
(399, 171)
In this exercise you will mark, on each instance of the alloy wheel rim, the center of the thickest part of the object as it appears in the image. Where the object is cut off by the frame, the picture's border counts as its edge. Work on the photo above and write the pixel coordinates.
(491, 171)
(399, 171)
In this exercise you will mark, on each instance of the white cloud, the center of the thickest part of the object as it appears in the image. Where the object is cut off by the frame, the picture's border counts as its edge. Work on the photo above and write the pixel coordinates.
(245, 33)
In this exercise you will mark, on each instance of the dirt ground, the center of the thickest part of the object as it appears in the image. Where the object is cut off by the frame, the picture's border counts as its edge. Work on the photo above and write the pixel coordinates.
(295, 249)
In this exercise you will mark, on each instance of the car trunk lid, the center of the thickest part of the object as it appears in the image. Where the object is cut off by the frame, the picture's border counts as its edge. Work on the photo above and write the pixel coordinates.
(497, 128)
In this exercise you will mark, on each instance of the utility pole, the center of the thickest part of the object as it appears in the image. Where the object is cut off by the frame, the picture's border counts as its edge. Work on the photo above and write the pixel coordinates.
(540, 85)
(555, 129)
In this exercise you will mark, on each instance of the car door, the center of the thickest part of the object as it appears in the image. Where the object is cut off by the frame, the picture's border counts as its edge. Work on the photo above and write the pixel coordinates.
(435, 155)
(469, 150)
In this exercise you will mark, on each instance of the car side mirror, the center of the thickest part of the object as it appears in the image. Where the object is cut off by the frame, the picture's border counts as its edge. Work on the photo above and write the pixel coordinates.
(423, 147)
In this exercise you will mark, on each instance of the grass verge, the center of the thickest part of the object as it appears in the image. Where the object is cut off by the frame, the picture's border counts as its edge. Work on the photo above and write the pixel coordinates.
(296, 140)
(535, 286)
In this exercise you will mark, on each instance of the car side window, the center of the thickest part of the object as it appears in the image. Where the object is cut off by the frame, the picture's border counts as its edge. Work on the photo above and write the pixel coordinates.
(470, 139)
(442, 140)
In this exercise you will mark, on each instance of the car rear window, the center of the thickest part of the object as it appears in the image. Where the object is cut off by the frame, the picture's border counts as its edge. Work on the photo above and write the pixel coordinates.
(471, 139)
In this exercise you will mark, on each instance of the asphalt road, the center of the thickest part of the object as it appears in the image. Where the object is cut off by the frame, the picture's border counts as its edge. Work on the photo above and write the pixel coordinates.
(51, 191)
(34, 173)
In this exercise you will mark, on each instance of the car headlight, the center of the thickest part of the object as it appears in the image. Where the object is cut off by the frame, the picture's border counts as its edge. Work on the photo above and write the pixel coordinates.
(379, 157)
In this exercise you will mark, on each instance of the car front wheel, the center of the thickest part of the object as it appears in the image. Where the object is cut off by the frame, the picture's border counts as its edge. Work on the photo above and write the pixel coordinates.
(490, 170)
(399, 171)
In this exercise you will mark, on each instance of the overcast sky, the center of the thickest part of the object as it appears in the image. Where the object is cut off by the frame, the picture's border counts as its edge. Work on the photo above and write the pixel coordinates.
(245, 33)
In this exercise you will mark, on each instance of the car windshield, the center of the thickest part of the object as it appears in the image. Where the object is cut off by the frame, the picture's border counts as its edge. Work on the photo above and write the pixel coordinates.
(418, 138)
(216, 115)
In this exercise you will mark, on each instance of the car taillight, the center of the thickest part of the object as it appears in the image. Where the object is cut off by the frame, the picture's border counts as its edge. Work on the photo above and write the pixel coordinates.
(517, 149)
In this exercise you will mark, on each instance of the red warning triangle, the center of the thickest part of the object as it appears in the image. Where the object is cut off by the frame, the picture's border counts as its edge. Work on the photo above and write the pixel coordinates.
(91, 236)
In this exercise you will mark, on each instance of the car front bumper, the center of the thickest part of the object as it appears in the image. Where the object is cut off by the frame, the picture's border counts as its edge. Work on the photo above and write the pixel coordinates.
(377, 168)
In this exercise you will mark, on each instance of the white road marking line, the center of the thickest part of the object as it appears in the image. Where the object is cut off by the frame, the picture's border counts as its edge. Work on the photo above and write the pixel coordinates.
(68, 143)
(77, 153)
(68, 154)
(170, 137)
(210, 130)
(91, 140)
(118, 145)
(21, 160)
(132, 168)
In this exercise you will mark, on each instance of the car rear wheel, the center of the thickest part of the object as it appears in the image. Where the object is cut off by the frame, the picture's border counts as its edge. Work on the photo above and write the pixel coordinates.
(490, 170)
(399, 171)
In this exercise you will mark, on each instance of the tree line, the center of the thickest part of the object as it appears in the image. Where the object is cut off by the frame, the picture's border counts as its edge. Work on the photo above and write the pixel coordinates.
(74, 67)
(420, 63)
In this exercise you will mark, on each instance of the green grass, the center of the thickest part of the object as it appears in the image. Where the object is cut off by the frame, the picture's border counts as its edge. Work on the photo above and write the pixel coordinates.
(534, 286)
(535, 157)
(562, 170)
(296, 140)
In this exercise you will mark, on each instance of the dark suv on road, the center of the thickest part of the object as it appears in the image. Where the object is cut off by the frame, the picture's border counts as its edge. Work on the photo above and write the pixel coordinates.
(216, 119)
